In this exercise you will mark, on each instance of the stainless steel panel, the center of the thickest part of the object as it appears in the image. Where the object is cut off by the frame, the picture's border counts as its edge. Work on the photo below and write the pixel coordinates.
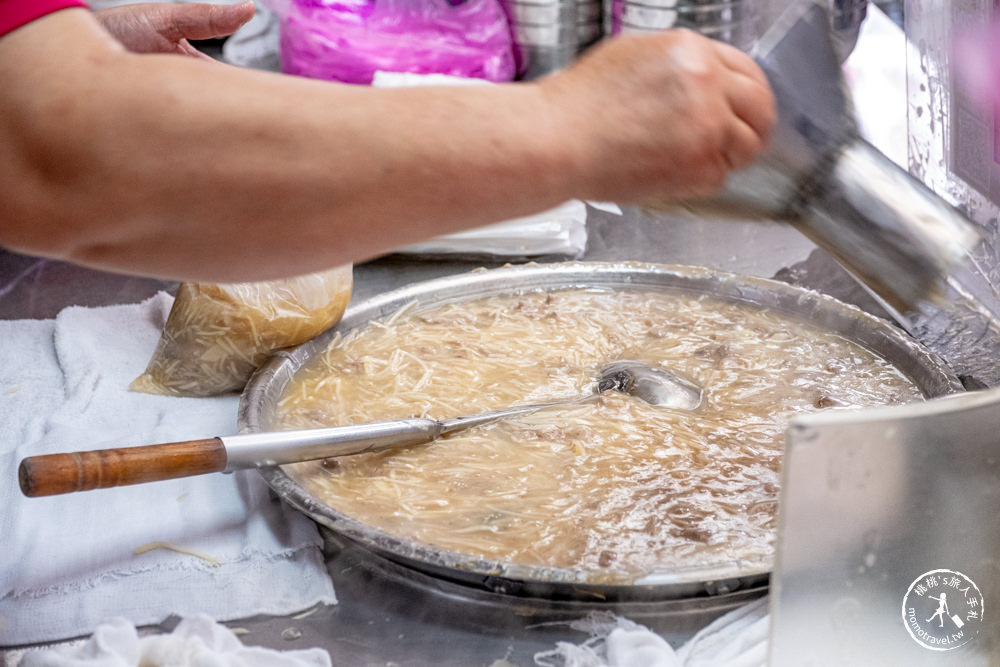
(870, 502)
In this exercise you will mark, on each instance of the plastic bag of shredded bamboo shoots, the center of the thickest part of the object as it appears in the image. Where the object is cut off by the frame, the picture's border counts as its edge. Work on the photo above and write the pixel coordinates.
(216, 335)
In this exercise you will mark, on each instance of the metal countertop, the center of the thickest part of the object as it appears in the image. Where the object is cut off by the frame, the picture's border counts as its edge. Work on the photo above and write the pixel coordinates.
(36, 288)
(388, 617)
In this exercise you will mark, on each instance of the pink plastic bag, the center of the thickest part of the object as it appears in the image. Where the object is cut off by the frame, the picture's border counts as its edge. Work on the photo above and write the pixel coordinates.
(348, 40)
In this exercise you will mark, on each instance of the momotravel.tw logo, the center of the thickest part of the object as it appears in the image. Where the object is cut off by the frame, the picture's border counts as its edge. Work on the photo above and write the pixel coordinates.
(942, 610)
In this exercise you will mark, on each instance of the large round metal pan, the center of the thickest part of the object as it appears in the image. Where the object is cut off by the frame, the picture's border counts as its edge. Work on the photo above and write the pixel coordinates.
(259, 400)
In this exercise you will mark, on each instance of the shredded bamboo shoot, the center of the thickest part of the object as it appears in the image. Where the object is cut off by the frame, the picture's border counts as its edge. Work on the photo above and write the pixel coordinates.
(616, 484)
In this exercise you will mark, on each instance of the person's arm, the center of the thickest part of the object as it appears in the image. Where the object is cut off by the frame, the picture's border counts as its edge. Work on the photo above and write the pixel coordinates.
(173, 167)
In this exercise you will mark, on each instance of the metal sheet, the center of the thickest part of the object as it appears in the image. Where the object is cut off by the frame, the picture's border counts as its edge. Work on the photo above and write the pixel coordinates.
(872, 504)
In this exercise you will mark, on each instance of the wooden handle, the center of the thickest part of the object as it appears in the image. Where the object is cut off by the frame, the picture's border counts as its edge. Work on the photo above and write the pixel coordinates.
(53, 474)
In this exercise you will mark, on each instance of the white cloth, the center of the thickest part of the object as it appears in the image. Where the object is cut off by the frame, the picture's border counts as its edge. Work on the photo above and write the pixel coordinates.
(736, 639)
(197, 641)
(558, 231)
(67, 561)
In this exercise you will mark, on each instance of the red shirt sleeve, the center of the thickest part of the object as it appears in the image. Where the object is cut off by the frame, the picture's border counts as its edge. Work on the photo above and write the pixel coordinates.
(16, 13)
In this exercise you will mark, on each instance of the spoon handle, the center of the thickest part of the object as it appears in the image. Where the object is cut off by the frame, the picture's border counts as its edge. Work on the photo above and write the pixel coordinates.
(52, 474)
(462, 423)
(255, 450)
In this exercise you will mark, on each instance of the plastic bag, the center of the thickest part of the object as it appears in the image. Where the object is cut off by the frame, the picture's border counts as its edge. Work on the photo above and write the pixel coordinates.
(348, 40)
(216, 335)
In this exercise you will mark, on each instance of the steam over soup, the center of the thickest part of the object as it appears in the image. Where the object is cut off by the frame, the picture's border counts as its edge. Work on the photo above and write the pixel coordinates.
(612, 484)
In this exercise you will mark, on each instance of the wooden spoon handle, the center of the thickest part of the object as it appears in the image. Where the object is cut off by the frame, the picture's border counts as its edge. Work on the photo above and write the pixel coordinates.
(53, 474)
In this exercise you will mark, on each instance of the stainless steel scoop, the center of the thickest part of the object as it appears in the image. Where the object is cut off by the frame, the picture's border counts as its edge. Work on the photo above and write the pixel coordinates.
(53, 474)
(891, 232)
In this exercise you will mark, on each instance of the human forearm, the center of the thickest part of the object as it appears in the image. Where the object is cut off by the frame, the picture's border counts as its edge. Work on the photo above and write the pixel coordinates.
(224, 173)
(172, 167)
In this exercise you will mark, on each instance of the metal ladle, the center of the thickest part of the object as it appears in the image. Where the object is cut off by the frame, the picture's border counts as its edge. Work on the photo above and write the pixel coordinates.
(53, 474)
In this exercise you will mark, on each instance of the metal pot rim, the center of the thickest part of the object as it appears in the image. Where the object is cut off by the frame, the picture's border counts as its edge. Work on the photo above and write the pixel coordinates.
(258, 402)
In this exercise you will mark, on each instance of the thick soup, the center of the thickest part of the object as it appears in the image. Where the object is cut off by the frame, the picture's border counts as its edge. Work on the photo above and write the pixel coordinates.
(612, 484)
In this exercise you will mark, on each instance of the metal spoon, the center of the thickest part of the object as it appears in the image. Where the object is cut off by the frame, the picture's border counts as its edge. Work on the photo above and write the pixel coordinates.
(53, 474)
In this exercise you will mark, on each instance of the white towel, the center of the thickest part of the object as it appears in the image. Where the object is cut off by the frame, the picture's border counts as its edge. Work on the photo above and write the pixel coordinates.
(68, 561)
(197, 641)
(736, 639)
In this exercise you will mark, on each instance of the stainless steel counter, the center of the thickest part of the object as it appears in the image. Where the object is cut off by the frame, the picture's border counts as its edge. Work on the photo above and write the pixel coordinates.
(34, 288)
(390, 617)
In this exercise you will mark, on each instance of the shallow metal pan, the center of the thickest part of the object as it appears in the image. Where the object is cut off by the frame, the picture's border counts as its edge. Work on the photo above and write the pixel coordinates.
(259, 400)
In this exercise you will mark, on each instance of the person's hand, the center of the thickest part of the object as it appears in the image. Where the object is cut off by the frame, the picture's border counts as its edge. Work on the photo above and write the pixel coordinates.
(166, 28)
(663, 116)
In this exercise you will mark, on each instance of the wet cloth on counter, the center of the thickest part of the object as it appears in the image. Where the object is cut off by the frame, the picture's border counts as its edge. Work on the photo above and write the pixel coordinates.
(736, 639)
(197, 641)
(69, 562)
